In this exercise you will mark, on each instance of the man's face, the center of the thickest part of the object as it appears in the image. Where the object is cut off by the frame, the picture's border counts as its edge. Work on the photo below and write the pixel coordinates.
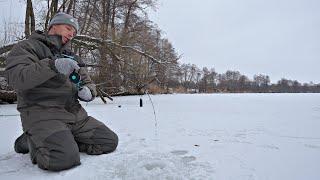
(66, 31)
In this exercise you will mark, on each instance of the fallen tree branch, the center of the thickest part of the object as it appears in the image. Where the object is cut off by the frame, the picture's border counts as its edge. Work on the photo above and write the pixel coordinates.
(89, 41)
(104, 94)
(7, 47)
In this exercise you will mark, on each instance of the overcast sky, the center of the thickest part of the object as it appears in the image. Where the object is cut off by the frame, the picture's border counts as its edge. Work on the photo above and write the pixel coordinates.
(279, 38)
(12, 10)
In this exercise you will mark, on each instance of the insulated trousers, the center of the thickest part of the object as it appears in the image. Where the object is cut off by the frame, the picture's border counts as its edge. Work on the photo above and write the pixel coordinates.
(54, 142)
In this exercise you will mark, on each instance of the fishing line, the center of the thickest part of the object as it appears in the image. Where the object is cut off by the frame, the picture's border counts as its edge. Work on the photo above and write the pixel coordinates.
(155, 116)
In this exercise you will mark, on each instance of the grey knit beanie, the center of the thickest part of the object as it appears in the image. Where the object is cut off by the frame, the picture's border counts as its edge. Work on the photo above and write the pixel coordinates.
(63, 18)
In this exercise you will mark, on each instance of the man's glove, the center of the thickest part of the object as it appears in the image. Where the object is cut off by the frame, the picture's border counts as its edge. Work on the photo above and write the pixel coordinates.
(66, 65)
(85, 94)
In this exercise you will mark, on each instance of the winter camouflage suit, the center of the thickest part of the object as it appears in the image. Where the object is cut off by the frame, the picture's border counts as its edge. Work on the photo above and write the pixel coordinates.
(55, 125)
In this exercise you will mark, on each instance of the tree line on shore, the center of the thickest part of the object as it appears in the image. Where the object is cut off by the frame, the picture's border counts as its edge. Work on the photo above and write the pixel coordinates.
(189, 78)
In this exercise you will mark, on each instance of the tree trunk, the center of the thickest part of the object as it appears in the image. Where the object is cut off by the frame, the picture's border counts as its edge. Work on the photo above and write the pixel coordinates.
(52, 10)
(126, 22)
(29, 19)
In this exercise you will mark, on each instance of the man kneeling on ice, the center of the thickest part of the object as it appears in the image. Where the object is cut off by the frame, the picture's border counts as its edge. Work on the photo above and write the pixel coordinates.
(56, 127)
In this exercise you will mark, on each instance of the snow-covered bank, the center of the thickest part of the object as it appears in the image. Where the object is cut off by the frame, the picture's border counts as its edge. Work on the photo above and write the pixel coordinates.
(208, 136)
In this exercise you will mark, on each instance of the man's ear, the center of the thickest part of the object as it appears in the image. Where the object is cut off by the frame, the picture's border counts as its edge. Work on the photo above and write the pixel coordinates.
(52, 29)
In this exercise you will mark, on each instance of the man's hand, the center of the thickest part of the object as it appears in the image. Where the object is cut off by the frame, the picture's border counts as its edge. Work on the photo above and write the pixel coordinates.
(66, 65)
(85, 94)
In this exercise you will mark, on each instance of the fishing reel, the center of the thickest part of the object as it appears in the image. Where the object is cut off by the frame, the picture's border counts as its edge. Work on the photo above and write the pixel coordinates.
(74, 77)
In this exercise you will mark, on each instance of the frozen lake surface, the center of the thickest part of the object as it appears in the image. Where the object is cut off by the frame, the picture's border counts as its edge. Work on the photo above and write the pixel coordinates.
(205, 136)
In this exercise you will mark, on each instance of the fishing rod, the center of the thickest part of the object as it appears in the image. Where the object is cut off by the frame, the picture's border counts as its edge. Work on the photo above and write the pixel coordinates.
(75, 78)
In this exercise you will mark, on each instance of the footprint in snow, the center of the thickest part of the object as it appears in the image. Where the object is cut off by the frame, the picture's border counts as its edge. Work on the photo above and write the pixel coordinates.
(312, 146)
(179, 152)
(187, 159)
(155, 164)
(269, 147)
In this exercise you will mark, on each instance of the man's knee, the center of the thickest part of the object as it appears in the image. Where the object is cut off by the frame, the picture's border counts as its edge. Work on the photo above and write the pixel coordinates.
(102, 141)
(109, 139)
(59, 152)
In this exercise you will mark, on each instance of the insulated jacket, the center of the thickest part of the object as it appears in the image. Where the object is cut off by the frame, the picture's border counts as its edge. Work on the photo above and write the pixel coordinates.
(30, 70)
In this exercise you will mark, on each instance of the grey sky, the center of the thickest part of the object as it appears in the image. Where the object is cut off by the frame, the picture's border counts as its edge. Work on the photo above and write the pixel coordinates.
(279, 38)
(12, 10)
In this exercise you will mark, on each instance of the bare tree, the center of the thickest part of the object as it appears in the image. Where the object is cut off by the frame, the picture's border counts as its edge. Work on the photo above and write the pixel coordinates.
(29, 19)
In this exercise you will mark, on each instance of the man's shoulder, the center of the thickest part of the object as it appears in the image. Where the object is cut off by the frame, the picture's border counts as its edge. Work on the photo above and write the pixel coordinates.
(27, 43)
(33, 42)
(23, 44)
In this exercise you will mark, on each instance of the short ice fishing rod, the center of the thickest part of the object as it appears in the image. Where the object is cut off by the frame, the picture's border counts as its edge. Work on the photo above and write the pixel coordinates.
(75, 77)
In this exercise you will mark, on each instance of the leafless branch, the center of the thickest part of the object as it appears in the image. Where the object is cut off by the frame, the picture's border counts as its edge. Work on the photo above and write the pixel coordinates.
(96, 42)
(7, 47)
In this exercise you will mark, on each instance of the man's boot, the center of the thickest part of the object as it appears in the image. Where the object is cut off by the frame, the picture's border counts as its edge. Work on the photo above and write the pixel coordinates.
(21, 144)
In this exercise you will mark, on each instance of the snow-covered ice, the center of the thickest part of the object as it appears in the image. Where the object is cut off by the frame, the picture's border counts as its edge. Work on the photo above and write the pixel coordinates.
(203, 136)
